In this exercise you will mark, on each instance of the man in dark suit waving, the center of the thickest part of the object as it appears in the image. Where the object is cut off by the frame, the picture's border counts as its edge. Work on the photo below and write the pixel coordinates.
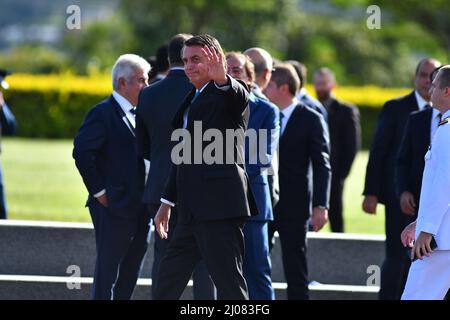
(305, 177)
(212, 195)
(157, 106)
(105, 154)
(380, 177)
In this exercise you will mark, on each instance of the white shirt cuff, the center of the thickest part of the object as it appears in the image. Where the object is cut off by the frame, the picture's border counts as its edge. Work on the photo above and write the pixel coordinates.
(99, 194)
(167, 202)
(224, 87)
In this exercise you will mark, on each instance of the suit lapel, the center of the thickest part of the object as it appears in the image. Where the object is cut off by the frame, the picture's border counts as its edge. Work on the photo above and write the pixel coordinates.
(177, 122)
(412, 102)
(290, 122)
(123, 118)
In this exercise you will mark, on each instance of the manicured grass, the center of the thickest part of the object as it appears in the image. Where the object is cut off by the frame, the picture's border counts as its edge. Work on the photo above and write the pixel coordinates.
(42, 183)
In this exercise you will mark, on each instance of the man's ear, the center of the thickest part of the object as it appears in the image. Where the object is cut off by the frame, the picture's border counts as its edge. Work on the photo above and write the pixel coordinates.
(267, 75)
(121, 82)
(284, 88)
(447, 91)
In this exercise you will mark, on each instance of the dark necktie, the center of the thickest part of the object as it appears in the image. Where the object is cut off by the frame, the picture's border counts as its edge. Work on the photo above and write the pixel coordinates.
(281, 121)
(133, 111)
(195, 96)
(427, 106)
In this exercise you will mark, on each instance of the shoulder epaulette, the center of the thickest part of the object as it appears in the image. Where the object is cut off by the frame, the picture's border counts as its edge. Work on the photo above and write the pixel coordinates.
(444, 121)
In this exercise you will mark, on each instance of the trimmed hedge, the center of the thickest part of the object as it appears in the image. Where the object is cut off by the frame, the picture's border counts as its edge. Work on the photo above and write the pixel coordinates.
(55, 106)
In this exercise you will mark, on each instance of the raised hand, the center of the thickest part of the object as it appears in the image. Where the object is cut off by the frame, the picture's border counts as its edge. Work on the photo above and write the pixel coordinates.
(215, 65)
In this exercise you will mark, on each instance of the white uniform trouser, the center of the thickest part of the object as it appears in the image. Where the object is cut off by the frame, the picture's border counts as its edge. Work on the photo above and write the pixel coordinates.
(429, 279)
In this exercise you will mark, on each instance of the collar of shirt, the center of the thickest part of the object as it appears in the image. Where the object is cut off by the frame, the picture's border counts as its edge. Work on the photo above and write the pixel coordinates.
(302, 93)
(435, 113)
(420, 101)
(287, 112)
(126, 107)
(186, 112)
(202, 88)
(446, 115)
(177, 68)
(123, 102)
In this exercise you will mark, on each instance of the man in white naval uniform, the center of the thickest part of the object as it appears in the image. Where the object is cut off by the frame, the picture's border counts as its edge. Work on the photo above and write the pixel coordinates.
(429, 276)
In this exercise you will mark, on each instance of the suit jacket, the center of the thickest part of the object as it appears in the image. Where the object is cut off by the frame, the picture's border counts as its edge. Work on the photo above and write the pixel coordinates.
(213, 191)
(274, 185)
(304, 97)
(414, 146)
(7, 122)
(157, 106)
(380, 172)
(345, 136)
(305, 172)
(105, 154)
(263, 115)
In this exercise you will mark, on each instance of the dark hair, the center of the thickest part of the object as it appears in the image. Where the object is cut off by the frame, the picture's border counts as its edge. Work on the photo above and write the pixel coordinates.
(162, 60)
(175, 46)
(286, 74)
(206, 40)
(301, 71)
(444, 76)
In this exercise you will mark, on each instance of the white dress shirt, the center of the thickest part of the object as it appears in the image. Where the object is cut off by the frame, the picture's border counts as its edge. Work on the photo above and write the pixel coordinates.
(126, 107)
(287, 112)
(421, 102)
(434, 212)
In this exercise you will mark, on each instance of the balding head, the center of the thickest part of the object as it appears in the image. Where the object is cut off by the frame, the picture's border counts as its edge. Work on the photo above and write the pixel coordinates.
(422, 82)
(324, 83)
(263, 63)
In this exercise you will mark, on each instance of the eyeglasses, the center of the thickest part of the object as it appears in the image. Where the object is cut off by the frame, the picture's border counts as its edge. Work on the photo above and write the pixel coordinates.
(236, 70)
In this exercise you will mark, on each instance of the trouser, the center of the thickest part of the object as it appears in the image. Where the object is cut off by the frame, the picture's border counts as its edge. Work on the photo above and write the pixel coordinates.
(394, 270)
(336, 206)
(219, 243)
(292, 235)
(257, 265)
(203, 287)
(429, 279)
(121, 247)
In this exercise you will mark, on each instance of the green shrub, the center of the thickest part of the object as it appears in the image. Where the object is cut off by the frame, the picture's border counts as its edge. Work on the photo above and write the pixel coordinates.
(54, 106)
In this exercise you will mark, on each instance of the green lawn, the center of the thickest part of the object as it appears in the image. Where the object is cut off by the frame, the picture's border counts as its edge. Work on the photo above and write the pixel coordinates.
(42, 183)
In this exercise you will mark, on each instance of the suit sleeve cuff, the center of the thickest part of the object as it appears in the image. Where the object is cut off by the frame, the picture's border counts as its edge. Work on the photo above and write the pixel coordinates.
(99, 194)
(225, 87)
(167, 202)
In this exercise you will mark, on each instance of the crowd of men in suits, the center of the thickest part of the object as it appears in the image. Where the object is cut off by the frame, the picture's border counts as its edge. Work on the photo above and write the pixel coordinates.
(216, 221)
